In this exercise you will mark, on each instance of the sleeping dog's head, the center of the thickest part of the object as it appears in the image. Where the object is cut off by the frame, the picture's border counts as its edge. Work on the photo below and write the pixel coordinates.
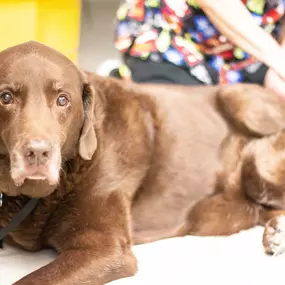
(46, 112)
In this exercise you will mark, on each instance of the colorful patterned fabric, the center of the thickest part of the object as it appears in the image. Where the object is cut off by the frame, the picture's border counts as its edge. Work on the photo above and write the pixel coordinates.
(179, 32)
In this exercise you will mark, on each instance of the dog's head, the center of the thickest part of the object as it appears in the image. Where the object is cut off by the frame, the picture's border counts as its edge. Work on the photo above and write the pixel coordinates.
(46, 117)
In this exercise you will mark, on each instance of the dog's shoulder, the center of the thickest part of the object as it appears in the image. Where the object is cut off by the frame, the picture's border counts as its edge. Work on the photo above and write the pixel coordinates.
(124, 123)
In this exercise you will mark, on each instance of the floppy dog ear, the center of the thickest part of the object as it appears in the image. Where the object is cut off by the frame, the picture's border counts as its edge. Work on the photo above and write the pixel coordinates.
(88, 140)
(252, 108)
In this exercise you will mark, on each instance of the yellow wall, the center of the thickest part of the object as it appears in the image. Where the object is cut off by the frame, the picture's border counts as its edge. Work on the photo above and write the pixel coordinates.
(52, 22)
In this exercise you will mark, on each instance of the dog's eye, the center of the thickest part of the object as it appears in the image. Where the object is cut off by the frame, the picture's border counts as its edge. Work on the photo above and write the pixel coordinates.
(6, 98)
(62, 101)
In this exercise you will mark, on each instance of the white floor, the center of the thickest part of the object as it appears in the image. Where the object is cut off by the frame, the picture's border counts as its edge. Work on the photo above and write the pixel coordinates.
(235, 260)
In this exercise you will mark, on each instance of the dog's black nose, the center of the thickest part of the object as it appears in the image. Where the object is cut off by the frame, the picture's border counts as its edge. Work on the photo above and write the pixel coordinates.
(37, 152)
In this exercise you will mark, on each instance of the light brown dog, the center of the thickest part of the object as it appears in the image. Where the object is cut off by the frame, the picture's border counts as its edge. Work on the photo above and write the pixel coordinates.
(118, 164)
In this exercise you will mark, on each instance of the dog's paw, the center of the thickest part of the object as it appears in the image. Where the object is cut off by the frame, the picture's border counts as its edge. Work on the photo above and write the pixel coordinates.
(274, 236)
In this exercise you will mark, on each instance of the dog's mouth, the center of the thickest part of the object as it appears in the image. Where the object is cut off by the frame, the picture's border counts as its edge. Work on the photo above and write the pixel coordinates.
(37, 176)
(48, 173)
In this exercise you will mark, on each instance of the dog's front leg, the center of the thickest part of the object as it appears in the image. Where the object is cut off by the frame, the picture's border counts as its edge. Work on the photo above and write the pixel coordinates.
(92, 234)
(84, 266)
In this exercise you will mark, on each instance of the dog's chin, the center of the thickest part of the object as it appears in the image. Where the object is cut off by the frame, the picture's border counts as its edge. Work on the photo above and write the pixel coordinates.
(37, 188)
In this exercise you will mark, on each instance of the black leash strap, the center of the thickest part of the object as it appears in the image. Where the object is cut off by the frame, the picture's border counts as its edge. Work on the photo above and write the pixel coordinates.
(18, 218)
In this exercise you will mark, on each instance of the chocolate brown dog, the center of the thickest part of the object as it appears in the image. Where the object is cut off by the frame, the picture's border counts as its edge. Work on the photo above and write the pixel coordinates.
(118, 164)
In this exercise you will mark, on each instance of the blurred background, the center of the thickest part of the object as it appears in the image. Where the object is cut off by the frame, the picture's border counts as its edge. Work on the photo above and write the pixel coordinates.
(96, 49)
(81, 29)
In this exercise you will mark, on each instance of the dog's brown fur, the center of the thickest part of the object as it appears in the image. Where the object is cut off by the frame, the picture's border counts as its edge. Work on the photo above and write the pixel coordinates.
(144, 163)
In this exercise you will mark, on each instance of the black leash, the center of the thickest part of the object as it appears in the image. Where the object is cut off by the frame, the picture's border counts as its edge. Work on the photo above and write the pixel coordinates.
(18, 218)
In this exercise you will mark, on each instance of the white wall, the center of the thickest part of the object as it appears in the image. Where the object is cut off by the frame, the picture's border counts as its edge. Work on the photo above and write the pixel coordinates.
(97, 33)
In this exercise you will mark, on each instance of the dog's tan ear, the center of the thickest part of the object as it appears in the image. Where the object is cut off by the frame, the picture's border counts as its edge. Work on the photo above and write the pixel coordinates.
(88, 140)
(252, 108)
